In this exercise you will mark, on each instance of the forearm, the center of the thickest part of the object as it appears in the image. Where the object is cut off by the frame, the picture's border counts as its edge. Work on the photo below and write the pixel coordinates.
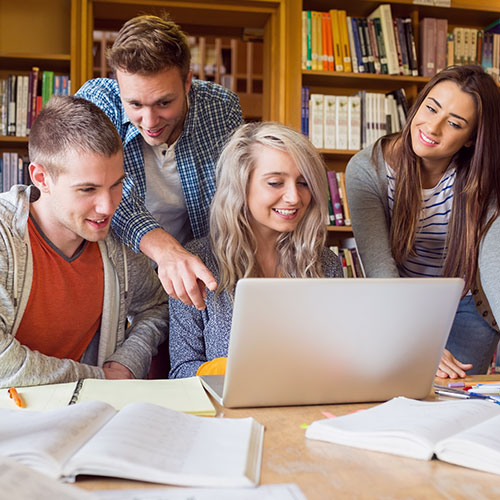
(186, 340)
(20, 366)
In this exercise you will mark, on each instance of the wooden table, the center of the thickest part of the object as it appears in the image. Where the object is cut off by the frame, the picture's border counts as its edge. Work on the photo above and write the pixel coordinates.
(324, 470)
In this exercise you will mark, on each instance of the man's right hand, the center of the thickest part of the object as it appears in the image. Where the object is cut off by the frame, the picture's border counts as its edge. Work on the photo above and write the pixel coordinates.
(182, 274)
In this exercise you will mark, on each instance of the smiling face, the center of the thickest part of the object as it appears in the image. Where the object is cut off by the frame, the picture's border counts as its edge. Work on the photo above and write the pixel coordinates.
(277, 193)
(443, 124)
(156, 104)
(79, 204)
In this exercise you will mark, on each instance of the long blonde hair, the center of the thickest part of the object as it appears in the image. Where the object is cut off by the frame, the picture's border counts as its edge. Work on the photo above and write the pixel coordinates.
(231, 237)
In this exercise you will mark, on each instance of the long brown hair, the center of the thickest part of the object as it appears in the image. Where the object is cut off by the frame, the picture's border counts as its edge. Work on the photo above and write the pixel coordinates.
(477, 183)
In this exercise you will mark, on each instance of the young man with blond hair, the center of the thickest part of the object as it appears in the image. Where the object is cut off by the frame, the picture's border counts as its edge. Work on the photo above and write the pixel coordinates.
(74, 301)
(173, 129)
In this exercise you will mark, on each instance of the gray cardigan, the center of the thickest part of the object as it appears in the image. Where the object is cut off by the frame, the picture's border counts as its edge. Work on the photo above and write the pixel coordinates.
(367, 194)
(200, 336)
(133, 296)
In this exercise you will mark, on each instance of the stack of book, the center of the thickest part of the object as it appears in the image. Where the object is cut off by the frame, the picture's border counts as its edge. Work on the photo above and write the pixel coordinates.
(13, 170)
(348, 254)
(351, 122)
(22, 97)
(338, 208)
(334, 41)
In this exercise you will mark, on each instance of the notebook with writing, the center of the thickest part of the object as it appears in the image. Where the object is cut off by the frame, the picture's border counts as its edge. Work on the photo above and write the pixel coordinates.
(319, 341)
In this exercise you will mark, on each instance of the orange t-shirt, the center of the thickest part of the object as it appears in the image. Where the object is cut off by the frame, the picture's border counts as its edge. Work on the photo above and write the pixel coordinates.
(65, 304)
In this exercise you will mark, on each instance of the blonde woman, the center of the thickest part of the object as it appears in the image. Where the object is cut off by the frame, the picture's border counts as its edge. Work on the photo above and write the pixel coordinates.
(267, 219)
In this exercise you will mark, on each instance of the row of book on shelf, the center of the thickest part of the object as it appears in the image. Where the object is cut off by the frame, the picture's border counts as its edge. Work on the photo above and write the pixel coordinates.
(379, 43)
(334, 41)
(13, 170)
(463, 45)
(351, 122)
(22, 98)
(348, 255)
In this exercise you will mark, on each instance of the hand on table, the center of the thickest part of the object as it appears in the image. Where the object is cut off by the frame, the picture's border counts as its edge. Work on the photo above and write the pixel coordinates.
(450, 367)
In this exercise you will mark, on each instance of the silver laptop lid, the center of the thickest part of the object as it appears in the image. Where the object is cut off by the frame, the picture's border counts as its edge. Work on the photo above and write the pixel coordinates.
(312, 341)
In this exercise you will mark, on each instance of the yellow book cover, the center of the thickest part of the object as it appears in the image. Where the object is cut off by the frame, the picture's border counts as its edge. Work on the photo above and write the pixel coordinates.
(337, 45)
(344, 37)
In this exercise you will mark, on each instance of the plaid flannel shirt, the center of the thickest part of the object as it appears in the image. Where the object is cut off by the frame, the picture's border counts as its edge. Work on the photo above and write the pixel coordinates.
(214, 112)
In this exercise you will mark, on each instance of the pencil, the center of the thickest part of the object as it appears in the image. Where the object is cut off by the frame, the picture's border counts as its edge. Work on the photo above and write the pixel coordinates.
(16, 397)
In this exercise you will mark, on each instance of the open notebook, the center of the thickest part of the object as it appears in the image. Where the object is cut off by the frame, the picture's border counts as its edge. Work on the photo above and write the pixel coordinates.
(313, 341)
(185, 395)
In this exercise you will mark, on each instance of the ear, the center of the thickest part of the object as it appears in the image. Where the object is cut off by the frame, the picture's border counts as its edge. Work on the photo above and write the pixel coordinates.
(39, 176)
(187, 83)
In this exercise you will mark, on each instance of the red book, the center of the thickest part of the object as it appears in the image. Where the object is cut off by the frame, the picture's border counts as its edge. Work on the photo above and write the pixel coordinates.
(335, 196)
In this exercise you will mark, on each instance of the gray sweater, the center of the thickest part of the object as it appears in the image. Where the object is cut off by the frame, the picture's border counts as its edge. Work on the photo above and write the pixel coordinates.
(133, 296)
(367, 194)
(200, 336)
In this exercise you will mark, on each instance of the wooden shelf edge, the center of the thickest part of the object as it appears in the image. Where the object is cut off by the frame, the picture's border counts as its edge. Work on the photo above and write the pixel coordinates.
(13, 138)
(364, 76)
(31, 56)
(340, 229)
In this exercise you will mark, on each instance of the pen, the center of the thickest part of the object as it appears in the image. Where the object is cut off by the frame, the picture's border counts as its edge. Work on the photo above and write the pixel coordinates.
(16, 397)
(464, 395)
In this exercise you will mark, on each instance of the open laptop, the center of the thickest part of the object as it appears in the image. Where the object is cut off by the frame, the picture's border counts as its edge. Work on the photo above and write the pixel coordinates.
(323, 340)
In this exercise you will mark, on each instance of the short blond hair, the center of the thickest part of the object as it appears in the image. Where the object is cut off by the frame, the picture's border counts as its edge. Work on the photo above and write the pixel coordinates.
(149, 44)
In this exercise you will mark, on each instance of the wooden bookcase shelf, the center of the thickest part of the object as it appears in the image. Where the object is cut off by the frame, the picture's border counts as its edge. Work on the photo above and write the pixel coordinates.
(470, 13)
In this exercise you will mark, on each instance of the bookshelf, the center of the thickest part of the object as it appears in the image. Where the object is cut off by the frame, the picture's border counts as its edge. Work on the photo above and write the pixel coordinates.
(229, 61)
(468, 13)
(42, 39)
(262, 80)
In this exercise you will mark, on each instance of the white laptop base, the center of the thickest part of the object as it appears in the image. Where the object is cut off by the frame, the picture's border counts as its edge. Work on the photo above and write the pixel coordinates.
(319, 341)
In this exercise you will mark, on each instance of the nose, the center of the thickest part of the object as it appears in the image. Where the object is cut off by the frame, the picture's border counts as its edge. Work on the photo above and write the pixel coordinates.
(291, 194)
(106, 203)
(149, 118)
(434, 125)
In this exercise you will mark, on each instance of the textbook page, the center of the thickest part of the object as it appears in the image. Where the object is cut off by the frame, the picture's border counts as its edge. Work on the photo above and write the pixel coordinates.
(477, 447)
(40, 397)
(150, 443)
(22, 483)
(265, 492)
(403, 426)
(45, 440)
(186, 395)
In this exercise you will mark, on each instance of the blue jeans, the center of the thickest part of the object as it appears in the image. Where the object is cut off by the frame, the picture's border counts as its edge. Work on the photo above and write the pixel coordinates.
(472, 339)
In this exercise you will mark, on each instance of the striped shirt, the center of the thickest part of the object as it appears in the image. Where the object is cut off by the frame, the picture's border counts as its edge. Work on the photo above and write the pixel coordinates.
(214, 112)
(430, 243)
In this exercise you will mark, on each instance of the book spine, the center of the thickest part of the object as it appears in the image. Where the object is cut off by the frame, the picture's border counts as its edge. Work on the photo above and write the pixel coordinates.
(342, 17)
(3, 107)
(329, 42)
(309, 40)
(352, 46)
(19, 105)
(441, 32)
(428, 46)
(381, 47)
(324, 41)
(412, 48)
(316, 109)
(341, 126)
(343, 197)
(385, 15)
(354, 120)
(473, 45)
(401, 43)
(357, 45)
(336, 202)
(329, 121)
(304, 40)
(337, 44)
(374, 46)
(11, 109)
(366, 38)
